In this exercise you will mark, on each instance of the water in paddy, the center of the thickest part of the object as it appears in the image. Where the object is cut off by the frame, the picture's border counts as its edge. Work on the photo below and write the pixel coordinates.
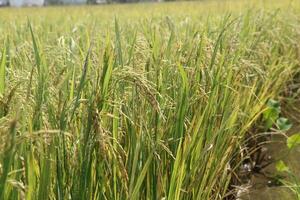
(262, 186)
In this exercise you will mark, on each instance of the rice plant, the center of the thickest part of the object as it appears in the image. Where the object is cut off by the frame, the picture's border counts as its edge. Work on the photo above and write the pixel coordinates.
(154, 103)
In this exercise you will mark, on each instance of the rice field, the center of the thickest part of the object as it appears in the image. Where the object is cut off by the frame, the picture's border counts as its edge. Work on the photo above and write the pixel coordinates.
(139, 101)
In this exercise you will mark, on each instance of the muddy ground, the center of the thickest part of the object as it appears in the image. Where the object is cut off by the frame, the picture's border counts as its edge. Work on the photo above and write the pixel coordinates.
(263, 185)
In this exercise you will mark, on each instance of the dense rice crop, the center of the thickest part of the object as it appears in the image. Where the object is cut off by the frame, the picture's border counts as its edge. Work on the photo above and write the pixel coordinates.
(148, 103)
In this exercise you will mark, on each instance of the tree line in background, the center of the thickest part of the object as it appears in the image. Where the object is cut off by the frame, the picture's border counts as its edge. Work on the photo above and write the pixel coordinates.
(20, 3)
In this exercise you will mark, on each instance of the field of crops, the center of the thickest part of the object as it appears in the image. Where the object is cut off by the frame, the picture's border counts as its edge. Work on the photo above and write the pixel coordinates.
(139, 101)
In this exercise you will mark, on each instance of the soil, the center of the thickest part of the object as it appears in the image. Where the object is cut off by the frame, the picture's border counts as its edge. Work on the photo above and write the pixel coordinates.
(265, 185)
